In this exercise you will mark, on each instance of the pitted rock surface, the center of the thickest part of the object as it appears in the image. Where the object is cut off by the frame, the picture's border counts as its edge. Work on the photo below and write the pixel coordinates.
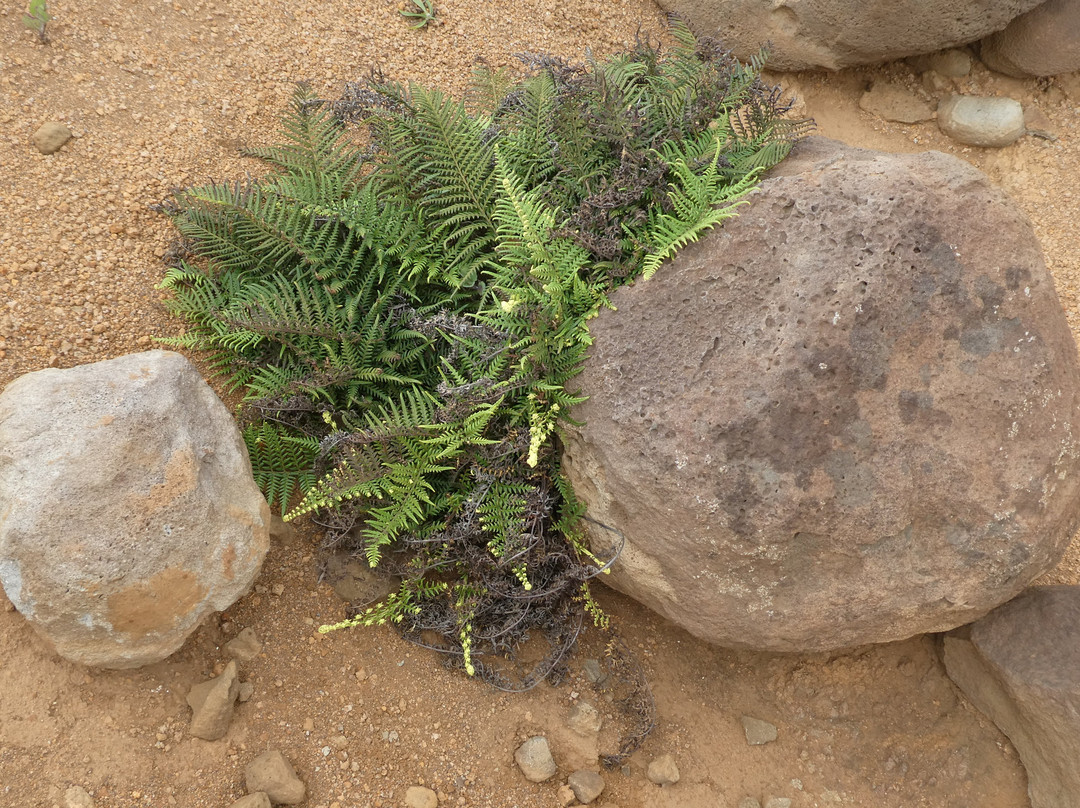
(833, 34)
(1020, 665)
(127, 507)
(849, 416)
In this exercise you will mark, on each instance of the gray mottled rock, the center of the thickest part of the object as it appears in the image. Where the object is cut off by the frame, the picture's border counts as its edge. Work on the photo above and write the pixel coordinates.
(50, 137)
(778, 802)
(890, 102)
(586, 785)
(593, 671)
(981, 121)
(420, 797)
(257, 800)
(129, 510)
(1043, 42)
(832, 34)
(245, 691)
(78, 797)
(757, 731)
(849, 416)
(273, 774)
(212, 705)
(245, 646)
(1021, 666)
(584, 719)
(534, 759)
(663, 771)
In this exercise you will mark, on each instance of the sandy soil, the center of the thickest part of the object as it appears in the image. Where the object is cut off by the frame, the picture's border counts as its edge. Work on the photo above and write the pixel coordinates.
(160, 96)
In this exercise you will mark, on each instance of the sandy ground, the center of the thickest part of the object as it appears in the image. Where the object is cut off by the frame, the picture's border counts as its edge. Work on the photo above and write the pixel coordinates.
(160, 96)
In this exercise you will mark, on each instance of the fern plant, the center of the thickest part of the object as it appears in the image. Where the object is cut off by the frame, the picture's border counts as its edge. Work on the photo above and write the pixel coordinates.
(406, 319)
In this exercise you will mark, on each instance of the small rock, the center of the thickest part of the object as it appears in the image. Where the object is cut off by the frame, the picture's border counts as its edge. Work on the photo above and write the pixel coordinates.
(257, 800)
(1037, 122)
(953, 63)
(78, 797)
(758, 732)
(981, 121)
(749, 802)
(273, 773)
(50, 137)
(894, 103)
(777, 802)
(245, 691)
(586, 785)
(593, 672)
(564, 797)
(420, 797)
(339, 742)
(663, 771)
(212, 705)
(534, 759)
(584, 720)
(245, 646)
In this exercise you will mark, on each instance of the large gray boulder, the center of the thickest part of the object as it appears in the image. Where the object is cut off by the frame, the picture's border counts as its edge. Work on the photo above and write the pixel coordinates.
(1020, 665)
(849, 416)
(127, 507)
(1043, 42)
(833, 34)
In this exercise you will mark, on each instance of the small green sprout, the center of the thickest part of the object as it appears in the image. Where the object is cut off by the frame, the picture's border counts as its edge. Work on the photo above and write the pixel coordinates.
(37, 18)
(422, 11)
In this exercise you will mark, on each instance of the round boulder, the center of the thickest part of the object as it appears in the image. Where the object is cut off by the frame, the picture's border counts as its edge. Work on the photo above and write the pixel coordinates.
(1043, 42)
(833, 34)
(849, 416)
(127, 507)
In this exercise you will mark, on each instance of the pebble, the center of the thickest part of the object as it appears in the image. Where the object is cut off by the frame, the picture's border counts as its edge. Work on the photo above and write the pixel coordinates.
(246, 691)
(420, 797)
(663, 771)
(245, 646)
(584, 719)
(535, 761)
(257, 800)
(749, 802)
(593, 672)
(273, 773)
(758, 732)
(778, 802)
(78, 797)
(50, 137)
(564, 797)
(212, 704)
(981, 121)
(586, 785)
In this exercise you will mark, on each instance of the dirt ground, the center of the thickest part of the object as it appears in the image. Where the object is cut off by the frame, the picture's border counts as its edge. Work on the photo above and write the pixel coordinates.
(160, 95)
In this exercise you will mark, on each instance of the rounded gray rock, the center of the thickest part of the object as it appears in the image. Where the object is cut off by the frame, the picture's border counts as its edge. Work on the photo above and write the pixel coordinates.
(851, 415)
(981, 121)
(128, 508)
(833, 34)
(1043, 42)
(535, 761)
